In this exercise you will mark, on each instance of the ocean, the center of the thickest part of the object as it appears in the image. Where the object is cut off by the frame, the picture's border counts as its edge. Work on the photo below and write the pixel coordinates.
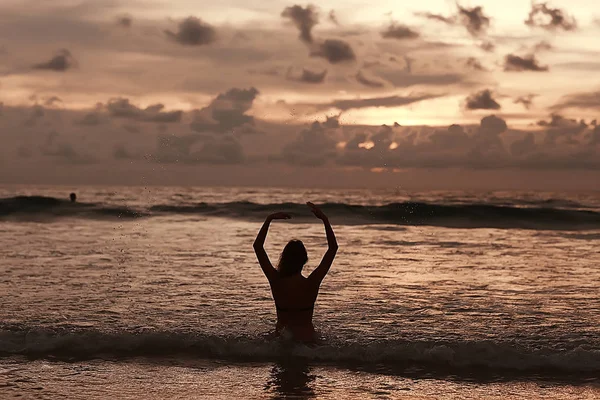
(155, 292)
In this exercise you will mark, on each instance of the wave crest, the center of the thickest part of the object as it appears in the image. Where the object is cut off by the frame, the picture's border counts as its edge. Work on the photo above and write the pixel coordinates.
(88, 343)
(406, 213)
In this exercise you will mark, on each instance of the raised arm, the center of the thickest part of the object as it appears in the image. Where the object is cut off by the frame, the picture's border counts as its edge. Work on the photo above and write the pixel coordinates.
(261, 254)
(319, 273)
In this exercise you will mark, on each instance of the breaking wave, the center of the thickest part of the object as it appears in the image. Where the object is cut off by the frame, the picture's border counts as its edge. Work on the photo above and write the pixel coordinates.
(405, 213)
(81, 343)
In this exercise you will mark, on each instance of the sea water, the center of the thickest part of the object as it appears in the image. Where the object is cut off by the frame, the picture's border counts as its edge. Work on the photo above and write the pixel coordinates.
(155, 292)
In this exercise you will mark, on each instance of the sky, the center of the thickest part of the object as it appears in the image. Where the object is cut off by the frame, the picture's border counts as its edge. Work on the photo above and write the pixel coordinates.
(433, 94)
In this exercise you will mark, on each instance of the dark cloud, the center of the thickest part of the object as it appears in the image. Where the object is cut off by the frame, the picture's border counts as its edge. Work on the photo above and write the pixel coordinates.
(594, 136)
(389, 101)
(542, 16)
(64, 151)
(335, 51)
(482, 100)
(305, 19)
(396, 147)
(131, 128)
(24, 151)
(120, 152)
(36, 113)
(542, 45)
(313, 146)
(62, 61)
(227, 150)
(487, 46)
(475, 64)
(307, 76)
(174, 149)
(526, 101)
(474, 20)
(125, 21)
(197, 149)
(437, 17)
(90, 119)
(122, 108)
(399, 31)
(367, 81)
(193, 32)
(333, 18)
(525, 145)
(51, 101)
(589, 101)
(561, 130)
(529, 62)
(227, 112)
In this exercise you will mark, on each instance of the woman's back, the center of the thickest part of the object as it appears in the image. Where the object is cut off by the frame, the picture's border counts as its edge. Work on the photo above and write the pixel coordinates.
(295, 298)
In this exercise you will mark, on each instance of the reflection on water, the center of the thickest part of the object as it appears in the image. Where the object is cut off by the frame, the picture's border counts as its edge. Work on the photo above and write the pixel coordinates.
(291, 377)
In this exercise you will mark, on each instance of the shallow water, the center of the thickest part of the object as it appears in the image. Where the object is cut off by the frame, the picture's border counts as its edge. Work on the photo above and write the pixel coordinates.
(428, 308)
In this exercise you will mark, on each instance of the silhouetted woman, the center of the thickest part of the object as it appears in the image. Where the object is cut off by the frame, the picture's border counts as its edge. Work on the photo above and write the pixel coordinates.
(294, 294)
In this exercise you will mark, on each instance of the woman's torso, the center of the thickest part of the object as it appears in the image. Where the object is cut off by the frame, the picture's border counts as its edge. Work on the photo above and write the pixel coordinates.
(295, 297)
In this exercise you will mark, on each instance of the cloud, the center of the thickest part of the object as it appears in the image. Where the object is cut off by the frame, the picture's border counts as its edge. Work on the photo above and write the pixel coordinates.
(475, 64)
(335, 51)
(437, 17)
(305, 19)
(526, 101)
(525, 145)
(482, 100)
(587, 100)
(333, 18)
(307, 76)
(487, 46)
(62, 61)
(193, 32)
(90, 119)
(37, 112)
(389, 101)
(120, 152)
(174, 149)
(313, 146)
(399, 31)
(125, 21)
(367, 81)
(64, 151)
(529, 62)
(542, 16)
(542, 45)
(122, 108)
(51, 101)
(227, 150)
(397, 147)
(562, 130)
(474, 20)
(594, 137)
(227, 112)
(197, 149)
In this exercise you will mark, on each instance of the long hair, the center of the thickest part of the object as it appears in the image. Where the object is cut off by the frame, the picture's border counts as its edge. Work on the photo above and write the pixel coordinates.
(292, 259)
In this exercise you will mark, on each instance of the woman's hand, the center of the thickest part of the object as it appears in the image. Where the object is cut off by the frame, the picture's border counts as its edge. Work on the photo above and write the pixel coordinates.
(317, 211)
(280, 215)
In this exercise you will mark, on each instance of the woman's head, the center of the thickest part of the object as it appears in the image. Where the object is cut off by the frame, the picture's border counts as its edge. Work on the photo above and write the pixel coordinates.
(292, 259)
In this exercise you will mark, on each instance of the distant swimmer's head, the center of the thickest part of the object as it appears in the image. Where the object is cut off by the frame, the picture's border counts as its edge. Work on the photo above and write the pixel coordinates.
(293, 257)
(73, 197)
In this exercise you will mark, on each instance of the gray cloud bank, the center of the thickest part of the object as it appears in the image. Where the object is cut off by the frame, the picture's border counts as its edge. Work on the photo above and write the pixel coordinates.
(224, 133)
